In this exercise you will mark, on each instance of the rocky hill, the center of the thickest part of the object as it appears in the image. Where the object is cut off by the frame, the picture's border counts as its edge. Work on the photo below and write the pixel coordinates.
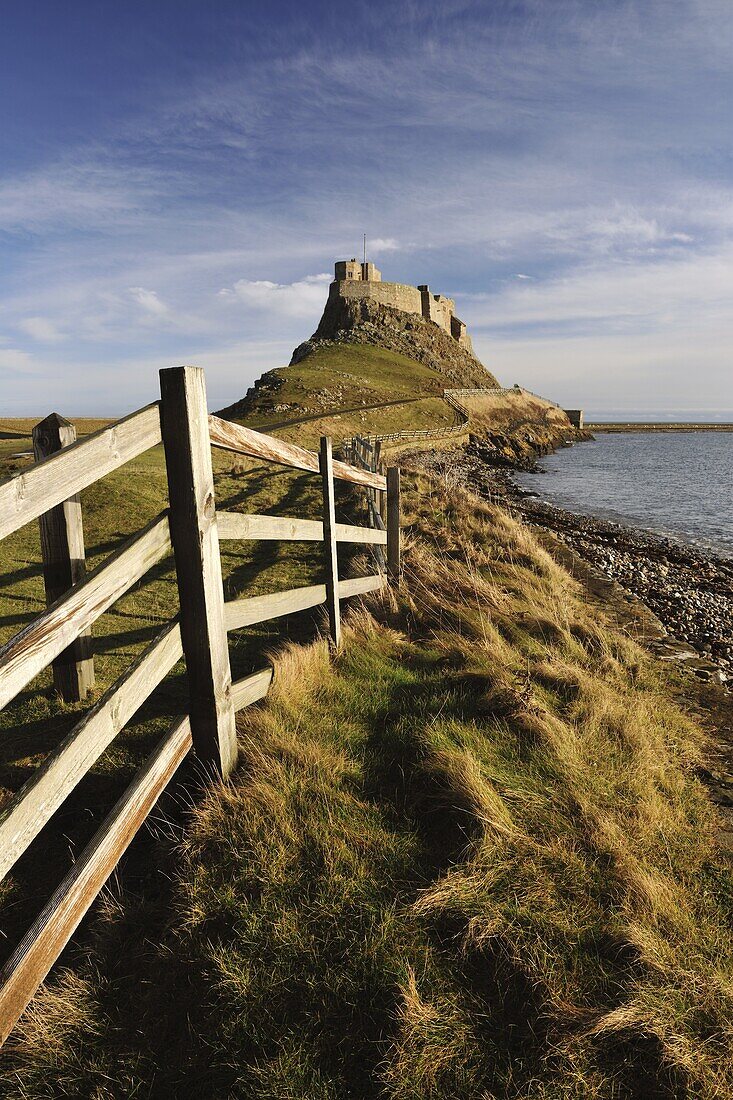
(372, 367)
(365, 321)
(364, 355)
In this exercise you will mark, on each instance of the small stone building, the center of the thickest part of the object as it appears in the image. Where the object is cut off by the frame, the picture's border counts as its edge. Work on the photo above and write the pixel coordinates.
(353, 279)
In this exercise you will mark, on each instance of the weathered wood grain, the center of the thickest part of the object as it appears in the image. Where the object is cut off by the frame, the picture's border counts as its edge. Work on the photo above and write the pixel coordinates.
(185, 427)
(394, 563)
(235, 437)
(329, 541)
(258, 609)
(236, 525)
(378, 522)
(346, 533)
(26, 495)
(32, 648)
(35, 803)
(251, 688)
(360, 585)
(62, 552)
(51, 931)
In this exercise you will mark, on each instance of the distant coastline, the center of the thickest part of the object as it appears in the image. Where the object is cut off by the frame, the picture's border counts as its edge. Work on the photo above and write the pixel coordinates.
(656, 426)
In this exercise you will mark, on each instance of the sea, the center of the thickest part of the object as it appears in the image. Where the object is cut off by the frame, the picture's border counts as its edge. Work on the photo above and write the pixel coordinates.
(678, 484)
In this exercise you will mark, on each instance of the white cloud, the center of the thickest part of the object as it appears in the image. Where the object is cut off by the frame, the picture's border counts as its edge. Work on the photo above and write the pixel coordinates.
(304, 298)
(382, 244)
(80, 191)
(14, 361)
(149, 301)
(652, 334)
(41, 329)
(668, 291)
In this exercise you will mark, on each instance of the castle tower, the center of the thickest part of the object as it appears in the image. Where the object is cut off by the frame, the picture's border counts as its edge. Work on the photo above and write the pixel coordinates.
(356, 280)
(347, 269)
(370, 273)
(355, 272)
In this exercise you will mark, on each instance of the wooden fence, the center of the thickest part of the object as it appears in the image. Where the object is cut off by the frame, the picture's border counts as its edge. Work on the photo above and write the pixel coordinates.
(191, 527)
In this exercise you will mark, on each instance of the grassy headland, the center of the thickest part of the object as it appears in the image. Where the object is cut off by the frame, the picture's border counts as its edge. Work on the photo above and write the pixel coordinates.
(466, 858)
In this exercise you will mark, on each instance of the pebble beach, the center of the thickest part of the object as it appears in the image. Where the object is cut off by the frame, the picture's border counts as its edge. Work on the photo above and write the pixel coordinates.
(689, 589)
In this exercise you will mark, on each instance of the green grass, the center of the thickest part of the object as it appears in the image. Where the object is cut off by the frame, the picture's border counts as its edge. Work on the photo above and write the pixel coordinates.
(116, 508)
(36, 720)
(352, 388)
(467, 859)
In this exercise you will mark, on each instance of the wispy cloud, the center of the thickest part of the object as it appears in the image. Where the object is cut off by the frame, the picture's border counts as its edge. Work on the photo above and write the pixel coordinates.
(41, 329)
(148, 301)
(563, 170)
(14, 362)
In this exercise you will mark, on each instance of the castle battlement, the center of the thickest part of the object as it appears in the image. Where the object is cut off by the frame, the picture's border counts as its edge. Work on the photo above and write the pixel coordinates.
(353, 279)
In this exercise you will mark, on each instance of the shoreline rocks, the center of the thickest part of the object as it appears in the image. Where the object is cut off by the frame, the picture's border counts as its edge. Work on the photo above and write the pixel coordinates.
(688, 589)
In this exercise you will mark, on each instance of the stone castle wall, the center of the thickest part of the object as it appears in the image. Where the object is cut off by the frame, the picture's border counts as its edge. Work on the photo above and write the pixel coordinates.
(357, 281)
(437, 308)
(397, 295)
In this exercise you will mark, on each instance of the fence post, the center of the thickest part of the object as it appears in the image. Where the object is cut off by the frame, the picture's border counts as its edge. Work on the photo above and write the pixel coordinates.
(393, 523)
(329, 540)
(62, 551)
(185, 429)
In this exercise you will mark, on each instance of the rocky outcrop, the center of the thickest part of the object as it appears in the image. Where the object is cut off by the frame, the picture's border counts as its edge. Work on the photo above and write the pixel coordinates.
(365, 321)
(262, 394)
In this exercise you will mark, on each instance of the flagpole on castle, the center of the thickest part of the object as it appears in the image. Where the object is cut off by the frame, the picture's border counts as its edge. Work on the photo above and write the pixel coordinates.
(365, 248)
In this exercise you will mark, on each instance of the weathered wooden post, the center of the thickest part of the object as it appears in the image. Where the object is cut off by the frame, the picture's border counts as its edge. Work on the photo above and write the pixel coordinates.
(329, 541)
(380, 497)
(394, 565)
(185, 429)
(62, 551)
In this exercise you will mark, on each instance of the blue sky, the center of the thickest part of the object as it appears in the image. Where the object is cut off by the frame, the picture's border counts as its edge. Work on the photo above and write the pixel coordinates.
(177, 178)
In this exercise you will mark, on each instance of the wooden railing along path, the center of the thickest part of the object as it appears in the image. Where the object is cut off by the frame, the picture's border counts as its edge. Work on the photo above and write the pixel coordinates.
(192, 528)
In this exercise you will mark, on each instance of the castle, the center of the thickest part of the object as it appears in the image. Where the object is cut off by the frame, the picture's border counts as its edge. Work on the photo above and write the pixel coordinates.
(353, 279)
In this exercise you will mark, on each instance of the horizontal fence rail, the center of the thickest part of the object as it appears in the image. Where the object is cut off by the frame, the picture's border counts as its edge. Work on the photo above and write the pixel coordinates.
(53, 928)
(236, 525)
(37, 801)
(191, 529)
(251, 689)
(35, 646)
(245, 441)
(26, 495)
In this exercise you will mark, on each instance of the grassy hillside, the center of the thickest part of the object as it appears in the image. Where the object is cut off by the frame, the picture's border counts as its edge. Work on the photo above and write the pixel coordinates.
(35, 722)
(512, 412)
(363, 389)
(345, 389)
(467, 859)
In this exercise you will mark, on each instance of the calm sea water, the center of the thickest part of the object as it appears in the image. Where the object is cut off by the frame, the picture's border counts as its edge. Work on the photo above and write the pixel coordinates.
(675, 483)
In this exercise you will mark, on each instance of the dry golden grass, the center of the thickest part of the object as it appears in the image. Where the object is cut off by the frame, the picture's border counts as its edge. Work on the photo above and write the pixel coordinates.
(467, 859)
